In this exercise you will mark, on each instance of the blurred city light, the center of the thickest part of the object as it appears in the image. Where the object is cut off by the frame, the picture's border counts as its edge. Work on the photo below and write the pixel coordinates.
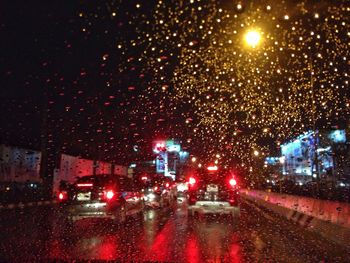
(252, 38)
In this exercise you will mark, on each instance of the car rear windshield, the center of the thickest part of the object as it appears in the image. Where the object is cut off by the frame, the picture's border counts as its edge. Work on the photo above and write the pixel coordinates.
(213, 178)
(123, 183)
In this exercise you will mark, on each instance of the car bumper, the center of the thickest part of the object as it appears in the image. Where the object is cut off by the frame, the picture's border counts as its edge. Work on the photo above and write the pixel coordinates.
(213, 207)
(89, 210)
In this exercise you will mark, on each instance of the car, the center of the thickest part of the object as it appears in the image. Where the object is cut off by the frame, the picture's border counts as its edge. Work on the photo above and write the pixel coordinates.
(101, 196)
(157, 192)
(213, 193)
(181, 197)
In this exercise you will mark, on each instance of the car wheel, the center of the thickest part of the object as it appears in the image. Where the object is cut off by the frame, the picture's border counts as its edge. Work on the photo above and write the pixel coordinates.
(140, 216)
(121, 215)
(235, 215)
(238, 212)
(191, 215)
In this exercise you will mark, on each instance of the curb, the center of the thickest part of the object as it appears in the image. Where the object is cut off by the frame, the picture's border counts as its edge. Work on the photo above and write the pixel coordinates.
(29, 204)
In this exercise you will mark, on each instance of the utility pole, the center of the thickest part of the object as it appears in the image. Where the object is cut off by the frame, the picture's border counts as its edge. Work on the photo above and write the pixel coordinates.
(314, 117)
(43, 143)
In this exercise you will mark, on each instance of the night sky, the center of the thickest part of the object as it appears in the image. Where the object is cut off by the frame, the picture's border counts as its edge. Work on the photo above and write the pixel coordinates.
(96, 78)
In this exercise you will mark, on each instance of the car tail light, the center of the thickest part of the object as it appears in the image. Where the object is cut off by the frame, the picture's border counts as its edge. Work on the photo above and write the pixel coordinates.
(233, 182)
(167, 185)
(85, 185)
(233, 201)
(192, 199)
(233, 198)
(155, 188)
(109, 195)
(62, 196)
(192, 181)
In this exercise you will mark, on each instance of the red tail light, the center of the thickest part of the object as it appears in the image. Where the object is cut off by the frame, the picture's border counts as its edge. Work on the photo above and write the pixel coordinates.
(233, 182)
(192, 181)
(233, 201)
(155, 188)
(167, 184)
(62, 196)
(85, 185)
(109, 195)
(192, 199)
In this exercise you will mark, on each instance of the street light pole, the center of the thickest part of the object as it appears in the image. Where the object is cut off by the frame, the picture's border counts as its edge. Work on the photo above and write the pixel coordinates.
(314, 111)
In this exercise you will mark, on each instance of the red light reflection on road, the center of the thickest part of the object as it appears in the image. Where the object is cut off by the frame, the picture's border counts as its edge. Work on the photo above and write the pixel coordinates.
(235, 250)
(57, 250)
(108, 248)
(192, 249)
(162, 246)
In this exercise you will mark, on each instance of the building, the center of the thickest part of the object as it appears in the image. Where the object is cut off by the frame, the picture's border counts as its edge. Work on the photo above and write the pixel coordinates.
(169, 157)
(310, 155)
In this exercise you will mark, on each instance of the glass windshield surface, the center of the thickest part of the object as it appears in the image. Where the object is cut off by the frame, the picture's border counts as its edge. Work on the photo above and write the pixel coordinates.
(175, 131)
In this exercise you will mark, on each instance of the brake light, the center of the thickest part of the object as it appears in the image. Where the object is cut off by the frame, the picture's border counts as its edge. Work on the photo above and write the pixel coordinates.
(155, 188)
(109, 195)
(233, 201)
(192, 199)
(192, 181)
(62, 196)
(233, 182)
(167, 184)
(85, 185)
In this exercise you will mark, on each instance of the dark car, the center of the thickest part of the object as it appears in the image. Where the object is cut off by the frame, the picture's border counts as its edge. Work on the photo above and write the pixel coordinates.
(213, 193)
(101, 196)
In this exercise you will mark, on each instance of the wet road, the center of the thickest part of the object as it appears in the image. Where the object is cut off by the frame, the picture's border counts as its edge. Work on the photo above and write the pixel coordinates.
(164, 235)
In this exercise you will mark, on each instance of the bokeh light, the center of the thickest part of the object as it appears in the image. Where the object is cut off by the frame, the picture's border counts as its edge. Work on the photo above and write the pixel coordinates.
(252, 38)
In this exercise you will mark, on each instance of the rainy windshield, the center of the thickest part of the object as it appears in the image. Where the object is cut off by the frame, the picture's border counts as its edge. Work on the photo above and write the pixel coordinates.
(175, 131)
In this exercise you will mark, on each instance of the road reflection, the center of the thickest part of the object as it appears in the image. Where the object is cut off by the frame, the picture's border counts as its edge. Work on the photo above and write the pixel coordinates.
(192, 249)
(214, 240)
(39, 235)
(161, 235)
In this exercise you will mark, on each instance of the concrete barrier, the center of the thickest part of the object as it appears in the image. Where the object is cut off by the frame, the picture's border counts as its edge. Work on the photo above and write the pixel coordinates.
(329, 219)
(334, 212)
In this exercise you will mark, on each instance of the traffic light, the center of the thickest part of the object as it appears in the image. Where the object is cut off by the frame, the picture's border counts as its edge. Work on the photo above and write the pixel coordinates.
(159, 147)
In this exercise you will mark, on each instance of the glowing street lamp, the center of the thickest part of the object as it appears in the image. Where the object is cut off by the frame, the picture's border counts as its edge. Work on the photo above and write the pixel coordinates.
(252, 38)
(256, 153)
